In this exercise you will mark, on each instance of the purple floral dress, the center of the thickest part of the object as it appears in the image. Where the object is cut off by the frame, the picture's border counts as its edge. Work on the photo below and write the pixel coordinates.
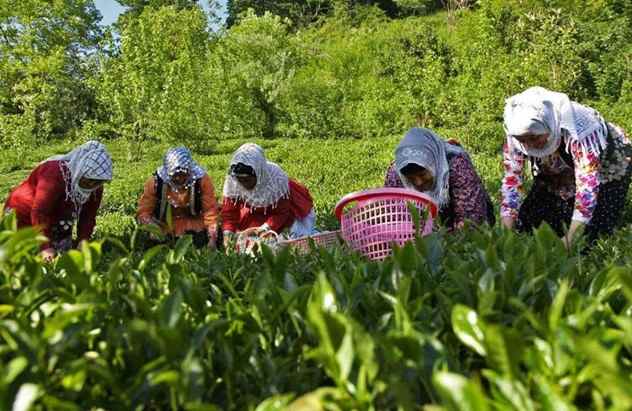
(468, 198)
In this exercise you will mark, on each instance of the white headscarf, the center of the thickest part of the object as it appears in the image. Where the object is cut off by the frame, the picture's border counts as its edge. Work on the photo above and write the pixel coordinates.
(89, 160)
(541, 111)
(179, 159)
(272, 182)
(423, 147)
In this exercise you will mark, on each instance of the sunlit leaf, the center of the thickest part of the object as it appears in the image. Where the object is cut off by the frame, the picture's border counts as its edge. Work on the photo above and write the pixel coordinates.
(468, 328)
(458, 393)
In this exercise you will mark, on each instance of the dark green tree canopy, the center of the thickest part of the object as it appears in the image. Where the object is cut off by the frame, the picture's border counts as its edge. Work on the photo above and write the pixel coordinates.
(304, 12)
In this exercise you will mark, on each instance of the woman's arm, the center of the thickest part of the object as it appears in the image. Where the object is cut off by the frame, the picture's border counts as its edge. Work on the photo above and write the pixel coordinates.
(209, 205)
(50, 190)
(147, 202)
(279, 217)
(467, 193)
(511, 190)
(587, 166)
(230, 215)
(391, 179)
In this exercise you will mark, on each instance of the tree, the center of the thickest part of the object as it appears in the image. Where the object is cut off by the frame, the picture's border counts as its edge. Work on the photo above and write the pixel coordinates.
(155, 87)
(257, 62)
(300, 12)
(136, 7)
(417, 7)
(43, 50)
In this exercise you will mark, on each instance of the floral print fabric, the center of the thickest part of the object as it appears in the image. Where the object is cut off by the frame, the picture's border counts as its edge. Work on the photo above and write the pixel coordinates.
(468, 198)
(580, 176)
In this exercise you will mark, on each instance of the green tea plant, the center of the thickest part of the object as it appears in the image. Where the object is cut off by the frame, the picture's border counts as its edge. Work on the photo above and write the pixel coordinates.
(487, 320)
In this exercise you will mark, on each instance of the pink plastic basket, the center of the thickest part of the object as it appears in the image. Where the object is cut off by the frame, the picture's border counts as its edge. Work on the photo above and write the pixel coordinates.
(324, 239)
(381, 218)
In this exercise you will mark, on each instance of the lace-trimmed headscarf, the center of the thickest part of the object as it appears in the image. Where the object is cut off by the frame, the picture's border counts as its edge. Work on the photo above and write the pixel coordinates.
(272, 182)
(90, 160)
(540, 111)
(426, 149)
(179, 160)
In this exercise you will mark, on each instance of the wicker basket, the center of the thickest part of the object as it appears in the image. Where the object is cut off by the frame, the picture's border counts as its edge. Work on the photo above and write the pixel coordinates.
(373, 220)
(324, 239)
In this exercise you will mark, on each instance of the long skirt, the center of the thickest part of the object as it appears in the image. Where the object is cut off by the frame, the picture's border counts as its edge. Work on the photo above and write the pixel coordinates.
(541, 205)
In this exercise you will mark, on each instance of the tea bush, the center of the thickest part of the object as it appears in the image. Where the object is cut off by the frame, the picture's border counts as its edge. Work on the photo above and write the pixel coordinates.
(486, 316)
(484, 319)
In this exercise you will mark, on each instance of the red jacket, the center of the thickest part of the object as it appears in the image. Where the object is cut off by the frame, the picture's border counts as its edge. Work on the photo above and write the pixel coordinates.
(41, 201)
(236, 216)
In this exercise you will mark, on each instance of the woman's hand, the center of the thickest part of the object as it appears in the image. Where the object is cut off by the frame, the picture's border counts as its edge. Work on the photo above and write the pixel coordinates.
(508, 222)
(148, 220)
(572, 233)
(48, 254)
(256, 230)
(212, 239)
(250, 231)
(229, 239)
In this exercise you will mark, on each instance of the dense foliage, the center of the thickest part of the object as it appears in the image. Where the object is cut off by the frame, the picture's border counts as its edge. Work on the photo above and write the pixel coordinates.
(484, 320)
(487, 320)
(353, 72)
(45, 64)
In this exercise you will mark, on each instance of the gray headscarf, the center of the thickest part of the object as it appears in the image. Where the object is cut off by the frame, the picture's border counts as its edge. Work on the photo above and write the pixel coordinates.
(426, 149)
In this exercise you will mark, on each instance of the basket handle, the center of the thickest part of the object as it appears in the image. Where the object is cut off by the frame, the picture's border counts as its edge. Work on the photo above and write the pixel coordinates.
(388, 192)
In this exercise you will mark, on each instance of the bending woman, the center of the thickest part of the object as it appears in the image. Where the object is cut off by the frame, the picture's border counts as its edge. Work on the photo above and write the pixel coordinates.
(60, 191)
(182, 188)
(580, 164)
(443, 170)
(259, 196)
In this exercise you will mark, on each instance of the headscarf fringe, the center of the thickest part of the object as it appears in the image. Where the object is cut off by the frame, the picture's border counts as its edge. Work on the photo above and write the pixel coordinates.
(90, 160)
(272, 182)
(528, 111)
(594, 143)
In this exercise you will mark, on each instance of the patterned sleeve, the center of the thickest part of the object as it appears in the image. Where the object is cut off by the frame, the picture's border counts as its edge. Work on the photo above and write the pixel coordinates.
(587, 166)
(392, 178)
(511, 190)
(467, 193)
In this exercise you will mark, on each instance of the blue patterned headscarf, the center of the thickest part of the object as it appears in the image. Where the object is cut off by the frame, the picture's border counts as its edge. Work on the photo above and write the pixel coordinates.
(178, 160)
